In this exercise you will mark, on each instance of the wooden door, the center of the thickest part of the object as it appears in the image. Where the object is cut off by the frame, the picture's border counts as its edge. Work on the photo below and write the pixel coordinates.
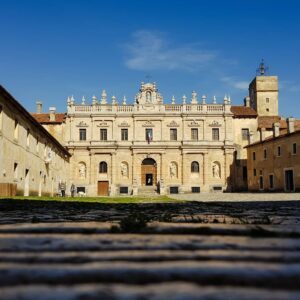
(148, 169)
(103, 188)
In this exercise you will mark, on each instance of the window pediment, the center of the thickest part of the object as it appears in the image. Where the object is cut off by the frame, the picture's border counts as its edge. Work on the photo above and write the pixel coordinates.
(215, 124)
(173, 124)
(194, 124)
(148, 124)
(103, 124)
(82, 124)
(124, 124)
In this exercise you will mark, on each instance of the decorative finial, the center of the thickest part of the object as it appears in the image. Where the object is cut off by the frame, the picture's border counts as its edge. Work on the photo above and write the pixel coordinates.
(184, 99)
(194, 98)
(83, 100)
(203, 99)
(68, 101)
(113, 100)
(173, 100)
(262, 69)
(214, 100)
(103, 97)
(229, 100)
(94, 100)
(124, 100)
(72, 100)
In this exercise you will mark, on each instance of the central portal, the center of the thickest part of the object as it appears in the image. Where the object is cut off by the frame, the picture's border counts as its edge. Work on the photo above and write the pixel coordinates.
(148, 173)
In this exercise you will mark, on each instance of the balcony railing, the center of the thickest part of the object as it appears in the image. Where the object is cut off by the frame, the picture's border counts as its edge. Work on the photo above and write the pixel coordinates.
(174, 108)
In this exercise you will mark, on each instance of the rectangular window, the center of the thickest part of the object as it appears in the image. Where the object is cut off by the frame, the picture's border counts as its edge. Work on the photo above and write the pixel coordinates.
(215, 134)
(245, 134)
(194, 134)
(254, 172)
(103, 134)
(148, 135)
(82, 134)
(195, 189)
(173, 134)
(271, 181)
(245, 175)
(254, 156)
(261, 183)
(267, 100)
(294, 148)
(265, 153)
(124, 134)
(278, 151)
(16, 130)
(15, 171)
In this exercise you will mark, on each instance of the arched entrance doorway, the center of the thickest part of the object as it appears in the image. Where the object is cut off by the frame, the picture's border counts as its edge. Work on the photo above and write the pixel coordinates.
(149, 172)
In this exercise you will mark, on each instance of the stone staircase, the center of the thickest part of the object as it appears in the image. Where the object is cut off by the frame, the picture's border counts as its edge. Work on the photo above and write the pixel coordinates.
(148, 191)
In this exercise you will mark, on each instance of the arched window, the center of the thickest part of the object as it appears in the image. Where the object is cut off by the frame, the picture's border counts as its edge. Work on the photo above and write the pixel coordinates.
(103, 167)
(195, 167)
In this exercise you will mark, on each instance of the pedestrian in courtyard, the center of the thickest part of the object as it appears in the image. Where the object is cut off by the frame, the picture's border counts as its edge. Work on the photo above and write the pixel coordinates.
(72, 189)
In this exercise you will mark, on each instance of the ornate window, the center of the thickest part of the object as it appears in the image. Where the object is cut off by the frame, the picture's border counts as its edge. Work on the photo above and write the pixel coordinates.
(245, 134)
(195, 167)
(103, 167)
(82, 134)
(194, 134)
(124, 134)
(215, 134)
(173, 134)
(103, 134)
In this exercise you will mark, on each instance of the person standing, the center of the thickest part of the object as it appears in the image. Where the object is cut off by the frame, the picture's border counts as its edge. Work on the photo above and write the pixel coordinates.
(72, 189)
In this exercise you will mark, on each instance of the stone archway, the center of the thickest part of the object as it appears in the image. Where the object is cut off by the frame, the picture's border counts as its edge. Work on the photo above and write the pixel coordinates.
(149, 172)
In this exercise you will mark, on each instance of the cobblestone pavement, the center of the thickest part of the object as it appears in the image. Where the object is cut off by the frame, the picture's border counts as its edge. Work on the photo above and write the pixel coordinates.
(187, 250)
(237, 196)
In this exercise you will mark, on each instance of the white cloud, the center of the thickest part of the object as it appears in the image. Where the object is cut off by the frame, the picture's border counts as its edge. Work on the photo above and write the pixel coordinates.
(150, 51)
(238, 84)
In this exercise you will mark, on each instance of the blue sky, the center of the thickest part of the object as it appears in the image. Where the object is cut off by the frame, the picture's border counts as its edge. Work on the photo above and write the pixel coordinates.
(52, 49)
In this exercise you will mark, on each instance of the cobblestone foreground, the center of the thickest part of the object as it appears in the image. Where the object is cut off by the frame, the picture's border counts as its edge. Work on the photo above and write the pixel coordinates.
(192, 250)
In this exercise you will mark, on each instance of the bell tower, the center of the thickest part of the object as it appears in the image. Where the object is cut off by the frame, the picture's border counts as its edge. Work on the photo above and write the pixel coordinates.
(263, 92)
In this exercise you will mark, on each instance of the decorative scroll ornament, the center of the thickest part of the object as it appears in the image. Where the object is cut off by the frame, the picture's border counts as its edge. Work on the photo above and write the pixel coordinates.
(173, 124)
(215, 124)
(148, 124)
(194, 124)
(103, 124)
(82, 124)
(124, 124)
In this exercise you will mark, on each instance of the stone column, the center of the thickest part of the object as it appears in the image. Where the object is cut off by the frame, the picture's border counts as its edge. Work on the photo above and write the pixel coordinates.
(92, 129)
(204, 167)
(183, 172)
(162, 175)
(113, 174)
(227, 164)
(134, 175)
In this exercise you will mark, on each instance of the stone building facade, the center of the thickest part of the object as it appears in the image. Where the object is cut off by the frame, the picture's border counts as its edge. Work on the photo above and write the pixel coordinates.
(187, 147)
(192, 145)
(273, 162)
(31, 159)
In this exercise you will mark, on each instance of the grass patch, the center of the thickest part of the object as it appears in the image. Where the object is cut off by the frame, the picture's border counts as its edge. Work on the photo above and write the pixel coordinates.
(121, 199)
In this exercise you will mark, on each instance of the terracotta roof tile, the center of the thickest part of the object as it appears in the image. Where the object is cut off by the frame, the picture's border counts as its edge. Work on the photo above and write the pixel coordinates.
(267, 122)
(45, 118)
(243, 112)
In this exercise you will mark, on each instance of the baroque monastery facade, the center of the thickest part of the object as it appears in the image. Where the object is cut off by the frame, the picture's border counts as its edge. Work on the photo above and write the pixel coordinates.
(197, 145)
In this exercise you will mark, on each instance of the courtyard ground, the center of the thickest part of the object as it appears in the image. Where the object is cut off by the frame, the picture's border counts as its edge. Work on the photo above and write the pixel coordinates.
(210, 248)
